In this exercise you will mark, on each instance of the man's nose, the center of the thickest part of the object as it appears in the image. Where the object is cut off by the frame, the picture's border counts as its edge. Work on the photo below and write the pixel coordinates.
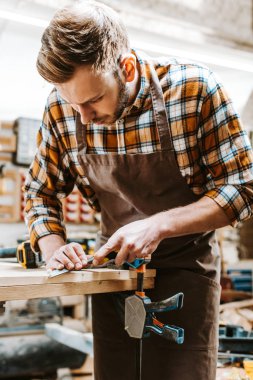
(86, 112)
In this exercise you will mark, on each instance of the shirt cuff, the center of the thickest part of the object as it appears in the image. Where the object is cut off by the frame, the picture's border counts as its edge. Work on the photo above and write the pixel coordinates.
(230, 199)
(41, 228)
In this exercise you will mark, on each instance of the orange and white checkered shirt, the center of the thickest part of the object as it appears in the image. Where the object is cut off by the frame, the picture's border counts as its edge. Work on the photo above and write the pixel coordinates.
(212, 150)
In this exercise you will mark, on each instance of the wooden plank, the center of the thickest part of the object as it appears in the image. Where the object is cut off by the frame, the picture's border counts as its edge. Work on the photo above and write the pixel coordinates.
(71, 300)
(242, 264)
(8, 143)
(12, 274)
(6, 208)
(21, 292)
(6, 125)
(10, 213)
(5, 157)
(230, 295)
(17, 283)
(237, 305)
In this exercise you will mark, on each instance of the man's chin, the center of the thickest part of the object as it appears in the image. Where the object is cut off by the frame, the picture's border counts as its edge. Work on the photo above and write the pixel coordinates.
(102, 122)
(106, 121)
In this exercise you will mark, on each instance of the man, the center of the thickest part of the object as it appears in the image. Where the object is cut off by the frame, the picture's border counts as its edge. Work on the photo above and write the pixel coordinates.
(157, 147)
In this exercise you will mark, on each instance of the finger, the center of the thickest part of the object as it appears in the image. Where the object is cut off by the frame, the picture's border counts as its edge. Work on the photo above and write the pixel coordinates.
(137, 252)
(54, 264)
(88, 260)
(110, 246)
(148, 250)
(64, 259)
(80, 253)
(131, 257)
(122, 256)
(69, 251)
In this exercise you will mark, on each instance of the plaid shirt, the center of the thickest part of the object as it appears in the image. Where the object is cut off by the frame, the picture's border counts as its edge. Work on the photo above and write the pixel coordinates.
(212, 151)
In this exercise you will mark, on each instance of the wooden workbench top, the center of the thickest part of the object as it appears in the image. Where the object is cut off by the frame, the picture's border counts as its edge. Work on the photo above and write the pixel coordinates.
(17, 283)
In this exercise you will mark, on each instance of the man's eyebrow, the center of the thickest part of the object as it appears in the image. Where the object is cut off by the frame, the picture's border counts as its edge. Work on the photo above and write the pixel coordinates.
(87, 101)
(90, 100)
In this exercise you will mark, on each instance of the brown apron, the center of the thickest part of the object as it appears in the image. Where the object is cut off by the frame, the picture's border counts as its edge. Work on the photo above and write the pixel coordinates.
(131, 187)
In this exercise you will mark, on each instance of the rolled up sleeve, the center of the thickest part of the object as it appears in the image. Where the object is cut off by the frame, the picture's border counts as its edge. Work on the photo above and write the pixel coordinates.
(46, 183)
(226, 154)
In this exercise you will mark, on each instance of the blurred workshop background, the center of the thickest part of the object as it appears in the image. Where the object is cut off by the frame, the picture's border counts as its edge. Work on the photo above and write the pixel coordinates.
(214, 32)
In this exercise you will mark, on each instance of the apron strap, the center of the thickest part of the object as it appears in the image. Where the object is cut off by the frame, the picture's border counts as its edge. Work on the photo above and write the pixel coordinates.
(80, 134)
(161, 118)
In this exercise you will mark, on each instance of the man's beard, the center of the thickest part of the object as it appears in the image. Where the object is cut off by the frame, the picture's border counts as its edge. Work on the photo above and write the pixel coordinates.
(123, 97)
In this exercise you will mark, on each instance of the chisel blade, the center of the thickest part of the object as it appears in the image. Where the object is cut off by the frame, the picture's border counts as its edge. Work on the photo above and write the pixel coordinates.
(56, 272)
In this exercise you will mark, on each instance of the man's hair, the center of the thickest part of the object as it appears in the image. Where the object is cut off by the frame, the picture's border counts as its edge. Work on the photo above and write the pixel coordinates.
(85, 33)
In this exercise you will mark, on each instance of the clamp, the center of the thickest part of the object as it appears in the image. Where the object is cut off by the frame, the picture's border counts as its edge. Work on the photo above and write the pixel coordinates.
(140, 318)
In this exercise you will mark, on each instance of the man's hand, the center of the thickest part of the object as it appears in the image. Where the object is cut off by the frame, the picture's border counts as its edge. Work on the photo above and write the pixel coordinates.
(141, 238)
(57, 254)
(136, 239)
(70, 256)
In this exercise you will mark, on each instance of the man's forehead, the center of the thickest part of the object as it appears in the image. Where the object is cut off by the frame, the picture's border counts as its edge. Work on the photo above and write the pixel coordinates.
(84, 86)
(87, 72)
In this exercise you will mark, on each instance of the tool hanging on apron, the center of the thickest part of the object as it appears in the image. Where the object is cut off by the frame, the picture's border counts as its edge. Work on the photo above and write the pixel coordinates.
(131, 187)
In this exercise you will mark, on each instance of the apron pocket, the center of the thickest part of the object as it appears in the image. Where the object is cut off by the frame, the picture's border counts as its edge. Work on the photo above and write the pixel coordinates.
(200, 313)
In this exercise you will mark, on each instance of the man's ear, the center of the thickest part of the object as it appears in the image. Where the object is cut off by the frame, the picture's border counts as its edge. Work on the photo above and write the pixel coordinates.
(128, 66)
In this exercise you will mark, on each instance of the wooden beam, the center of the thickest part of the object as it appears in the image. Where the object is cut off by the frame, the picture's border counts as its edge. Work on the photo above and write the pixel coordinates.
(236, 305)
(13, 274)
(17, 283)
(8, 293)
(8, 143)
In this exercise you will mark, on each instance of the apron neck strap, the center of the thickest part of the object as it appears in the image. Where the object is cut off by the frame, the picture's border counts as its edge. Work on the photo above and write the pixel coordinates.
(161, 118)
(80, 134)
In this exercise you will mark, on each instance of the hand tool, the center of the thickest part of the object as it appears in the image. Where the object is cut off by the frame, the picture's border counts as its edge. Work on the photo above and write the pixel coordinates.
(57, 272)
(24, 254)
(140, 317)
(107, 263)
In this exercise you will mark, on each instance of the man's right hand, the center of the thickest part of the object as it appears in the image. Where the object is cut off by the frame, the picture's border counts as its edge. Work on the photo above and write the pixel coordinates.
(59, 255)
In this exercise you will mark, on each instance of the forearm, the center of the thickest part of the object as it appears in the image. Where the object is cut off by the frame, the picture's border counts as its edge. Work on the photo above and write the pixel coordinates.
(47, 182)
(49, 244)
(203, 215)
(43, 216)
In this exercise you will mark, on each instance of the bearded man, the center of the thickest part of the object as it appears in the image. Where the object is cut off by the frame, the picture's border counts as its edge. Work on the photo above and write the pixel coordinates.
(156, 146)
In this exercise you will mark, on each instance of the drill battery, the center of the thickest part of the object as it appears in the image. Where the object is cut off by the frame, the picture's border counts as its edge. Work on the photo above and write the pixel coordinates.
(24, 254)
(27, 258)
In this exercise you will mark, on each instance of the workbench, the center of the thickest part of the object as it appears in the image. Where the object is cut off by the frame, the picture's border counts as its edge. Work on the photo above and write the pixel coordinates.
(17, 283)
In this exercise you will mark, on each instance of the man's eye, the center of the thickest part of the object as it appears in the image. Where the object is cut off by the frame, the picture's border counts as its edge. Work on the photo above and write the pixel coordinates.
(96, 100)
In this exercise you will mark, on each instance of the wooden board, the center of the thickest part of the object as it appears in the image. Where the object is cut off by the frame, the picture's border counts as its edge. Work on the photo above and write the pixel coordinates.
(17, 283)
(8, 143)
(237, 305)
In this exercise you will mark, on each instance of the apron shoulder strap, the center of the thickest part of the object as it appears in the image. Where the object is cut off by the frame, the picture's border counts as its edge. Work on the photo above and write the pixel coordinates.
(161, 117)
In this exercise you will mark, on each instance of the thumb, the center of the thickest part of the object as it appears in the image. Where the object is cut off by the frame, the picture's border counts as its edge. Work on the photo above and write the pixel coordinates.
(102, 253)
